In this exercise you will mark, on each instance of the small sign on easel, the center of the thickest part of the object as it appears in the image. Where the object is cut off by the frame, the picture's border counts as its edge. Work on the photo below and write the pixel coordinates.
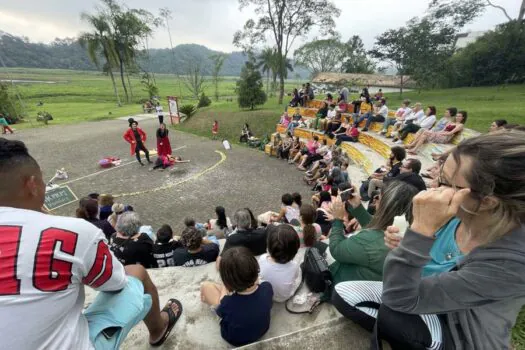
(58, 197)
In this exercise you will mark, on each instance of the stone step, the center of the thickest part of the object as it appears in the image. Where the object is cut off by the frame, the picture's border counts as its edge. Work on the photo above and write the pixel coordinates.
(334, 334)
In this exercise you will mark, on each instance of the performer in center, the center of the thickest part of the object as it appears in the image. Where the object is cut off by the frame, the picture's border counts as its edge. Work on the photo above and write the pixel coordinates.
(136, 138)
(163, 141)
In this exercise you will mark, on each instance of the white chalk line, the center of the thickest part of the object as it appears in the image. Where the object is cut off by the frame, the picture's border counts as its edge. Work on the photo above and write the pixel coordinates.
(106, 170)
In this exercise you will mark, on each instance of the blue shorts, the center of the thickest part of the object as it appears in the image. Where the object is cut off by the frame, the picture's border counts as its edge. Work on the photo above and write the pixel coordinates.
(124, 310)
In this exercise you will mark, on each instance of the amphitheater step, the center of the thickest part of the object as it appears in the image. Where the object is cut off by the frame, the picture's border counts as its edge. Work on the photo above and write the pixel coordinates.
(334, 334)
(364, 157)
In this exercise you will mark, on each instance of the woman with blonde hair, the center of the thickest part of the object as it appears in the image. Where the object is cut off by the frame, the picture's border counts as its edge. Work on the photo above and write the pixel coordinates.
(116, 210)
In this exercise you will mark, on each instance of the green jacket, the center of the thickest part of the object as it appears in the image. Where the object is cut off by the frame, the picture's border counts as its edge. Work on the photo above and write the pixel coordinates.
(359, 257)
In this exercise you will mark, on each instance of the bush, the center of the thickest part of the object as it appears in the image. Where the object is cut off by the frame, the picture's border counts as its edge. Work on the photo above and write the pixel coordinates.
(204, 101)
(188, 109)
(9, 105)
(249, 89)
(44, 117)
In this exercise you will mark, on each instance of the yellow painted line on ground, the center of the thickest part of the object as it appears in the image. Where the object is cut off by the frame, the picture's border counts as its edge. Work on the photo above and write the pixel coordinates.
(165, 187)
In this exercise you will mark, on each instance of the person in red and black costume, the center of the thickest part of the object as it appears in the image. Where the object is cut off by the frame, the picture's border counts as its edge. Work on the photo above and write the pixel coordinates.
(46, 262)
(136, 138)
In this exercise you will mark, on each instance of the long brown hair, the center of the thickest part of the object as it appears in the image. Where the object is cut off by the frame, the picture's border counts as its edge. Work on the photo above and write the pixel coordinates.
(308, 215)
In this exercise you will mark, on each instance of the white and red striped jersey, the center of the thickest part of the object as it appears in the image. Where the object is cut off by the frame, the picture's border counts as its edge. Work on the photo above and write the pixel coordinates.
(45, 261)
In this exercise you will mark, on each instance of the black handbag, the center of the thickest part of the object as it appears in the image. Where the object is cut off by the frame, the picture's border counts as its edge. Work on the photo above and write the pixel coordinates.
(316, 274)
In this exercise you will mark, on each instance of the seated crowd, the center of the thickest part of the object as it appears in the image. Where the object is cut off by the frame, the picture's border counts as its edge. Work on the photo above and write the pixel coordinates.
(437, 268)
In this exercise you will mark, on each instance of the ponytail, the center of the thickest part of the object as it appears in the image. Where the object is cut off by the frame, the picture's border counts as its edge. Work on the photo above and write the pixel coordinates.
(309, 235)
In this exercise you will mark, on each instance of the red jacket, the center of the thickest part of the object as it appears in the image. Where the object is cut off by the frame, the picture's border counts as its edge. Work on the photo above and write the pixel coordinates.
(129, 136)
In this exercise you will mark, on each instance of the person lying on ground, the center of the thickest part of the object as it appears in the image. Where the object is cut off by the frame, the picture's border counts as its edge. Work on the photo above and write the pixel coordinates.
(129, 245)
(195, 250)
(48, 284)
(243, 303)
(277, 266)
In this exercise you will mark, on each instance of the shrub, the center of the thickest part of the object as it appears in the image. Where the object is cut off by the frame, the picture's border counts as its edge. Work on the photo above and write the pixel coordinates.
(250, 91)
(188, 109)
(204, 101)
(44, 117)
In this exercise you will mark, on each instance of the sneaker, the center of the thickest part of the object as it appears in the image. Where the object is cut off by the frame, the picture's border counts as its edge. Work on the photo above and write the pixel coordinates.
(398, 142)
(383, 132)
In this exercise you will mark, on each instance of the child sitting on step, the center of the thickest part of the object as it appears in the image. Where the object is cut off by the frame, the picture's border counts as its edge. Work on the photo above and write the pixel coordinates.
(243, 303)
(277, 266)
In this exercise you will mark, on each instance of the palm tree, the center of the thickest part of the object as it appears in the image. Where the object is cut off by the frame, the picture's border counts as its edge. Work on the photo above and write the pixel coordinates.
(266, 62)
(100, 42)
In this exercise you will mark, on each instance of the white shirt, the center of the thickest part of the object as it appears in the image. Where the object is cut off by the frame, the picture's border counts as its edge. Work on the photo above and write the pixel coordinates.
(159, 110)
(291, 213)
(284, 278)
(383, 111)
(427, 122)
(46, 313)
(331, 114)
(419, 115)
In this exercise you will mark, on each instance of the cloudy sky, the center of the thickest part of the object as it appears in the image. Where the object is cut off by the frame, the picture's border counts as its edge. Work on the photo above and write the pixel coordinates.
(213, 22)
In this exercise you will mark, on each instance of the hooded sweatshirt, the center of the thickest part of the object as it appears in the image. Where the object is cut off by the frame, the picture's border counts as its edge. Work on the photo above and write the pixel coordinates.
(479, 299)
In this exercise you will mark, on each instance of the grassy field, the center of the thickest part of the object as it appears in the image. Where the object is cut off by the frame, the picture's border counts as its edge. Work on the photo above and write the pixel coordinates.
(75, 96)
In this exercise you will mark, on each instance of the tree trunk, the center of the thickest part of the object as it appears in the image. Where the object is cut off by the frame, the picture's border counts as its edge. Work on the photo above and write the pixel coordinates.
(281, 75)
(217, 88)
(281, 89)
(122, 79)
(130, 88)
(267, 82)
(401, 86)
(522, 11)
(114, 86)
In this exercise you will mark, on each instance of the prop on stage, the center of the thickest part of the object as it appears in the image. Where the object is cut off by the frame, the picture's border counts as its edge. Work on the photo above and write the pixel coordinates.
(108, 162)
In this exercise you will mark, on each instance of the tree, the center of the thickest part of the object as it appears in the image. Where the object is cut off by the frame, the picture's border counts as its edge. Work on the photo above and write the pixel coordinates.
(218, 61)
(9, 105)
(285, 20)
(250, 86)
(325, 55)
(149, 85)
(266, 62)
(100, 41)
(194, 79)
(357, 60)
(462, 12)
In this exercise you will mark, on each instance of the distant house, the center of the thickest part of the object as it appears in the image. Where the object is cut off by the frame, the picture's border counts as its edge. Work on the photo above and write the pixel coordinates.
(357, 81)
(463, 39)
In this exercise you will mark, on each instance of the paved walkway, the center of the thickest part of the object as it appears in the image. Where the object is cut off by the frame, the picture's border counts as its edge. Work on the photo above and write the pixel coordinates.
(246, 178)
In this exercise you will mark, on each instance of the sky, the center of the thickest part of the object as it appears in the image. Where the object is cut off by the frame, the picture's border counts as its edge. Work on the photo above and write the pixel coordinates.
(212, 23)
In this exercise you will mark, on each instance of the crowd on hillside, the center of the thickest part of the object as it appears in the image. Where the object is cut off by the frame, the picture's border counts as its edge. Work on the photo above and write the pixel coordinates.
(341, 118)
(423, 263)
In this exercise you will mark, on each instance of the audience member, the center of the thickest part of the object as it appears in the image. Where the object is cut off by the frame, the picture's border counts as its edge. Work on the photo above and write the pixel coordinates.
(129, 246)
(105, 202)
(399, 116)
(297, 119)
(288, 212)
(409, 173)
(309, 231)
(357, 103)
(297, 199)
(245, 235)
(322, 218)
(333, 121)
(343, 94)
(497, 125)
(165, 246)
(426, 122)
(296, 99)
(116, 211)
(243, 303)
(445, 136)
(474, 188)
(391, 170)
(308, 95)
(88, 210)
(221, 226)
(246, 133)
(283, 151)
(351, 135)
(417, 113)
(365, 111)
(48, 310)
(361, 256)
(277, 266)
(195, 250)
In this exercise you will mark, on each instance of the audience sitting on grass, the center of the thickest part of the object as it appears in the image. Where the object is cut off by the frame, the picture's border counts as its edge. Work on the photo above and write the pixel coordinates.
(471, 229)
(243, 303)
(425, 123)
(277, 266)
(378, 115)
(246, 133)
(164, 247)
(88, 210)
(497, 125)
(391, 170)
(129, 245)
(361, 256)
(445, 136)
(289, 211)
(195, 250)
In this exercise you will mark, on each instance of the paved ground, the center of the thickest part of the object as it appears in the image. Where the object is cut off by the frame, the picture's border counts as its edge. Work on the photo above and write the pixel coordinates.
(247, 178)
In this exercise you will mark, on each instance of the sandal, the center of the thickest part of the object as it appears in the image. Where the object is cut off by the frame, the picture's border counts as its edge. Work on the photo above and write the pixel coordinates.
(172, 319)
